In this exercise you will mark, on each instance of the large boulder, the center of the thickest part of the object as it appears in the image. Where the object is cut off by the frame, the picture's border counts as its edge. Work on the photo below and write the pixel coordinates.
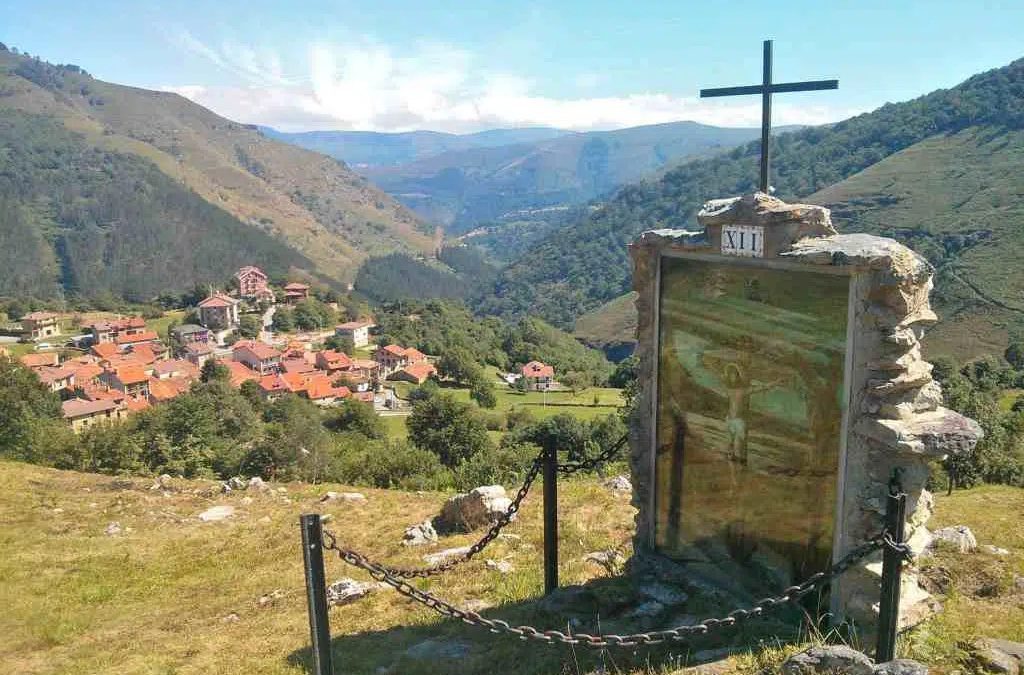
(420, 534)
(901, 667)
(958, 537)
(828, 660)
(347, 590)
(472, 510)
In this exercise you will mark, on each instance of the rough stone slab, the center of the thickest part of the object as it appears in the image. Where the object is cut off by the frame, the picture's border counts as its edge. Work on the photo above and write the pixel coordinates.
(901, 667)
(958, 537)
(937, 433)
(764, 210)
(441, 556)
(215, 513)
(345, 591)
(864, 250)
(831, 660)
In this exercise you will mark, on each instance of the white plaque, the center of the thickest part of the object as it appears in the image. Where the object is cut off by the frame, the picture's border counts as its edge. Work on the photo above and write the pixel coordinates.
(743, 240)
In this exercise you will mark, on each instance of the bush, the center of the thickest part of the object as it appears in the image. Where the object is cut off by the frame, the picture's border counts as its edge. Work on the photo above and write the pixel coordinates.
(447, 428)
(392, 464)
(506, 465)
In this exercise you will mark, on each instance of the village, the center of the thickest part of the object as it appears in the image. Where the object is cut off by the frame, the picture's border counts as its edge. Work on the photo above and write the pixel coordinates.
(119, 366)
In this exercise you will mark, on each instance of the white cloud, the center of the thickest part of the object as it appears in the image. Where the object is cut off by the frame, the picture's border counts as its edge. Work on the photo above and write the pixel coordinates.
(367, 86)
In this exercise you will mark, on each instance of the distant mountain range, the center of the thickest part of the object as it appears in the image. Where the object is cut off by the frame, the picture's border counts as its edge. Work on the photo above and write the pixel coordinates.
(464, 181)
(113, 189)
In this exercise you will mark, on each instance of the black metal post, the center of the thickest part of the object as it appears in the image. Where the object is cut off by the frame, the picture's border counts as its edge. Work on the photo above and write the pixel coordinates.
(316, 592)
(551, 521)
(892, 564)
(766, 117)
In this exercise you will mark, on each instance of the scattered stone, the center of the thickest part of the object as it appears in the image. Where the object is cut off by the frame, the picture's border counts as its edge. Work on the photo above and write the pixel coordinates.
(247, 500)
(257, 483)
(664, 593)
(441, 556)
(58, 510)
(1000, 656)
(566, 599)
(162, 482)
(237, 483)
(224, 487)
(326, 518)
(215, 513)
(332, 496)
(434, 649)
(500, 566)
(113, 529)
(265, 520)
(231, 618)
(1018, 583)
(712, 655)
(959, 537)
(504, 536)
(610, 560)
(477, 605)
(648, 609)
(471, 510)
(619, 484)
(270, 598)
(830, 659)
(901, 667)
(994, 550)
(345, 591)
(420, 534)
(282, 490)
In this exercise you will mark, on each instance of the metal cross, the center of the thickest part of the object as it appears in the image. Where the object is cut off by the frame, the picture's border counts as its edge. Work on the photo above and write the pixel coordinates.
(766, 89)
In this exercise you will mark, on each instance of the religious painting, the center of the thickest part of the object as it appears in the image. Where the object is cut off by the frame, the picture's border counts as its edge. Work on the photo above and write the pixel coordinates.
(750, 405)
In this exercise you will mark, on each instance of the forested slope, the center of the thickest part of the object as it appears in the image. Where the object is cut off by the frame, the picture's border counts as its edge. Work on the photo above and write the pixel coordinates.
(585, 264)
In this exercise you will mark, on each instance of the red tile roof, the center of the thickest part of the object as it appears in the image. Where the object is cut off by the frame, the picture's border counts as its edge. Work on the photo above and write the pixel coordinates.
(414, 355)
(218, 300)
(353, 325)
(165, 390)
(296, 286)
(39, 316)
(420, 371)
(199, 348)
(321, 387)
(40, 360)
(105, 350)
(394, 350)
(52, 374)
(144, 336)
(131, 375)
(136, 404)
(240, 373)
(535, 369)
(80, 407)
(333, 359)
(261, 350)
(299, 365)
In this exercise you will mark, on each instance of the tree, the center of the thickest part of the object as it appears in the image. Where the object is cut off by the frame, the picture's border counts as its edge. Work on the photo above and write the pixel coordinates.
(561, 433)
(447, 428)
(284, 321)
(214, 371)
(1015, 354)
(458, 364)
(340, 343)
(577, 381)
(311, 314)
(249, 326)
(30, 415)
(356, 416)
(482, 391)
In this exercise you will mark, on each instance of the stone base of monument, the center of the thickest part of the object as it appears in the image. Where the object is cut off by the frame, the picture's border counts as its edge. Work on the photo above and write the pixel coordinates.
(783, 393)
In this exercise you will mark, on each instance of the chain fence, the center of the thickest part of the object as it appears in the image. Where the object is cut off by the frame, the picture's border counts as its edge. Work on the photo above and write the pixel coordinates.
(506, 516)
(525, 632)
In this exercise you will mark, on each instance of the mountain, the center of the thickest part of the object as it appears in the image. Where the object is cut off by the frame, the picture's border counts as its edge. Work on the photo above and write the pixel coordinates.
(951, 187)
(303, 210)
(461, 181)
(372, 148)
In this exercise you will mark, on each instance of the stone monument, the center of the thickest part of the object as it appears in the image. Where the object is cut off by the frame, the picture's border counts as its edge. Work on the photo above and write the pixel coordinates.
(781, 388)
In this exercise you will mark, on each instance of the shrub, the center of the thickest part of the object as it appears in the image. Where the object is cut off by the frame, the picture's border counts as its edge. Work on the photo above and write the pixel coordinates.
(392, 464)
(506, 465)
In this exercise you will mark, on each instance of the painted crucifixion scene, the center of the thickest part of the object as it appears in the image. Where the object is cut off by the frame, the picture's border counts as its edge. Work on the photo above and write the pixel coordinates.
(749, 417)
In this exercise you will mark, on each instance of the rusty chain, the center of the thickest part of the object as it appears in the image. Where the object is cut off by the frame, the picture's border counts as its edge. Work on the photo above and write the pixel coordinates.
(588, 464)
(789, 595)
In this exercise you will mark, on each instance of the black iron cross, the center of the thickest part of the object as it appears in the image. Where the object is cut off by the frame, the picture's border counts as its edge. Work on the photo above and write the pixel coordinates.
(766, 89)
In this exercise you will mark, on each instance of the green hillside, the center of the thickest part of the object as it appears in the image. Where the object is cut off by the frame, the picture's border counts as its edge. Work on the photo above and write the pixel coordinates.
(311, 203)
(585, 264)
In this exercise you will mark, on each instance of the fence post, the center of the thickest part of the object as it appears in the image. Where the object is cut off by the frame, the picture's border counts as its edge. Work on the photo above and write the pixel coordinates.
(892, 564)
(316, 592)
(550, 520)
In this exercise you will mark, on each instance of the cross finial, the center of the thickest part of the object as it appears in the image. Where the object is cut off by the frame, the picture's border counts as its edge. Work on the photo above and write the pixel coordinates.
(766, 89)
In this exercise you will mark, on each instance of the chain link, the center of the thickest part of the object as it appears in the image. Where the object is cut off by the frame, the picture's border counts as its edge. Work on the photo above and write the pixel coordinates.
(586, 465)
(790, 595)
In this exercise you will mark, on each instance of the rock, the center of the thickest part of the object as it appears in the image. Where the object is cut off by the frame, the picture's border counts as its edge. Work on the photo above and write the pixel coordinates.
(1018, 583)
(476, 605)
(501, 566)
(959, 537)
(469, 511)
(619, 484)
(504, 536)
(345, 591)
(257, 483)
(237, 483)
(830, 660)
(442, 556)
(270, 598)
(332, 496)
(1000, 656)
(224, 487)
(663, 593)
(282, 490)
(610, 559)
(215, 513)
(901, 667)
(418, 535)
(435, 648)
(648, 609)
(567, 599)
(265, 520)
(162, 482)
(231, 618)
(113, 529)
(706, 655)
(994, 550)
(57, 510)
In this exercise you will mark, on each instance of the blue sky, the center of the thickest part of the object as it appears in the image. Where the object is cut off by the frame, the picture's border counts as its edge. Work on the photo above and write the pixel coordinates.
(392, 65)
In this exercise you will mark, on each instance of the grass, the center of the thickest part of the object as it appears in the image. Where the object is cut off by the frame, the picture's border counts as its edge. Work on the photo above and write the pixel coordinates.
(1008, 398)
(160, 325)
(159, 598)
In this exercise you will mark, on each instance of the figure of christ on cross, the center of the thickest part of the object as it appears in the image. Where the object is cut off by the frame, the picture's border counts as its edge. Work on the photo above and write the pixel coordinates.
(766, 89)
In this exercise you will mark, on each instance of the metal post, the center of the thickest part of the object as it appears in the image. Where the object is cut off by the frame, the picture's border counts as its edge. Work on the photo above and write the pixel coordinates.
(766, 116)
(316, 592)
(892, 564)
(551, 521)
